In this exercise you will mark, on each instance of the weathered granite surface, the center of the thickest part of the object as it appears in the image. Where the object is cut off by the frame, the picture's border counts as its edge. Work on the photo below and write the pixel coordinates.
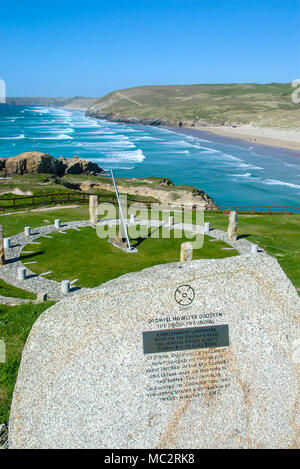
(93, 209)
(34, 162)
(85, 382)
(186, 252)
(232, 227)
(2, 256)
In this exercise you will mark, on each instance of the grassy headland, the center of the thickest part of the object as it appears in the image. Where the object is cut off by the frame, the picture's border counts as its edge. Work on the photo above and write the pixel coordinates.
(153, 189)
(262, 104)
(261, 113)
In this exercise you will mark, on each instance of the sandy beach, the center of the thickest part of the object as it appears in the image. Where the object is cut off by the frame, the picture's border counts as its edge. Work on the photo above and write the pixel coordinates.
(289, 139)
(266, 144)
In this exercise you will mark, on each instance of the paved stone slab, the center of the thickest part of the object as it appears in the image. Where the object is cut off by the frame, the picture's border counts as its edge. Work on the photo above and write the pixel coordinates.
(203, 354)
(9, 300)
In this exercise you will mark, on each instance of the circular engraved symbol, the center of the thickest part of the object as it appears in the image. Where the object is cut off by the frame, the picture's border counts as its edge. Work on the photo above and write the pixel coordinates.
(184, 295)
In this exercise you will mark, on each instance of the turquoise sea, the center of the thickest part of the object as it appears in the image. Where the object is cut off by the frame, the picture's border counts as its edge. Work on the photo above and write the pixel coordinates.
(231, 174)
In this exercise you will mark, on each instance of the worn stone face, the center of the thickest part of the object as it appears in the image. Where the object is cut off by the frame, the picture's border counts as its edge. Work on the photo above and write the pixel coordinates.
(93, 207)
(2, 256)
(232, 227)
(203, 354)
(186, 252)
(36, 162)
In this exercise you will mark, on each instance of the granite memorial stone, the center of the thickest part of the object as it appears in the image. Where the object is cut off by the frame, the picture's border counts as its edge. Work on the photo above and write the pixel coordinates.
(202, 354)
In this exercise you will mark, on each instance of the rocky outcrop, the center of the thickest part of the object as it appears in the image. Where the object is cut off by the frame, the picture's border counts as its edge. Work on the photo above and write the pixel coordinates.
(35, 162)
(163, 191)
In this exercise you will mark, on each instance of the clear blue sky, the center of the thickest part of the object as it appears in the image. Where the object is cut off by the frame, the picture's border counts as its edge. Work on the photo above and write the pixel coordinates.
(88, 48)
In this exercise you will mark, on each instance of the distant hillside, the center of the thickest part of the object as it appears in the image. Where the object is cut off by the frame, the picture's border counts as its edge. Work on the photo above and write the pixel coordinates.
(200, 105)
(72, 103)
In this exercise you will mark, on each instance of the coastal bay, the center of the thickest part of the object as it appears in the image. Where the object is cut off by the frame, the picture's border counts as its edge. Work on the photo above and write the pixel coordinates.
(232, 172)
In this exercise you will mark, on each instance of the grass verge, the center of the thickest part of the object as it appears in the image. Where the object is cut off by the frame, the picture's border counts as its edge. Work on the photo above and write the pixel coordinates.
(15, 325)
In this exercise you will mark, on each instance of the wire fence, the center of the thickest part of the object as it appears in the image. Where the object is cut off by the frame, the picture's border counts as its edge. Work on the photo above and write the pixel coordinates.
(16, 203)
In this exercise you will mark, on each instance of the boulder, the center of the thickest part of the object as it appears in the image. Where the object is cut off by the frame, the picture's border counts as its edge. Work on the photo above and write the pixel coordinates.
(35, 162)
(30, 162)
(200, 354)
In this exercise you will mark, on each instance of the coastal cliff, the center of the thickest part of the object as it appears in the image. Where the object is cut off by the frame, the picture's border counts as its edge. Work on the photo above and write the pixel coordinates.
(35, 172)
(162, 190)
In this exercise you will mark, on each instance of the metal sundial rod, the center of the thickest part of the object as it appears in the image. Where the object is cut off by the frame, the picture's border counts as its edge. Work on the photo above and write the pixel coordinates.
(120, 208)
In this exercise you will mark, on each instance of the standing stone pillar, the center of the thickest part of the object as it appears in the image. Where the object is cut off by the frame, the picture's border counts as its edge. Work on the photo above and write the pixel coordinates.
(2, 257)
(232, 227)
(206, 227)
(7, 243)
(27, 230)
(93, 208)
(21, 273)
(171, 222)
(57, 223)
(65, 286)
(254, 249)
(186, 252)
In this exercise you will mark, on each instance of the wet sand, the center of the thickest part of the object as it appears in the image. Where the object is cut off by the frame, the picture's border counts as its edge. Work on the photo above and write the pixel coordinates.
(236, 140)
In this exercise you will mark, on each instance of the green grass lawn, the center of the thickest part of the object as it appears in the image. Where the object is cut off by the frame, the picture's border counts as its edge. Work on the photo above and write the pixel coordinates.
(84, 256)
(13, 224)
(15, 325)
(278, 234)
